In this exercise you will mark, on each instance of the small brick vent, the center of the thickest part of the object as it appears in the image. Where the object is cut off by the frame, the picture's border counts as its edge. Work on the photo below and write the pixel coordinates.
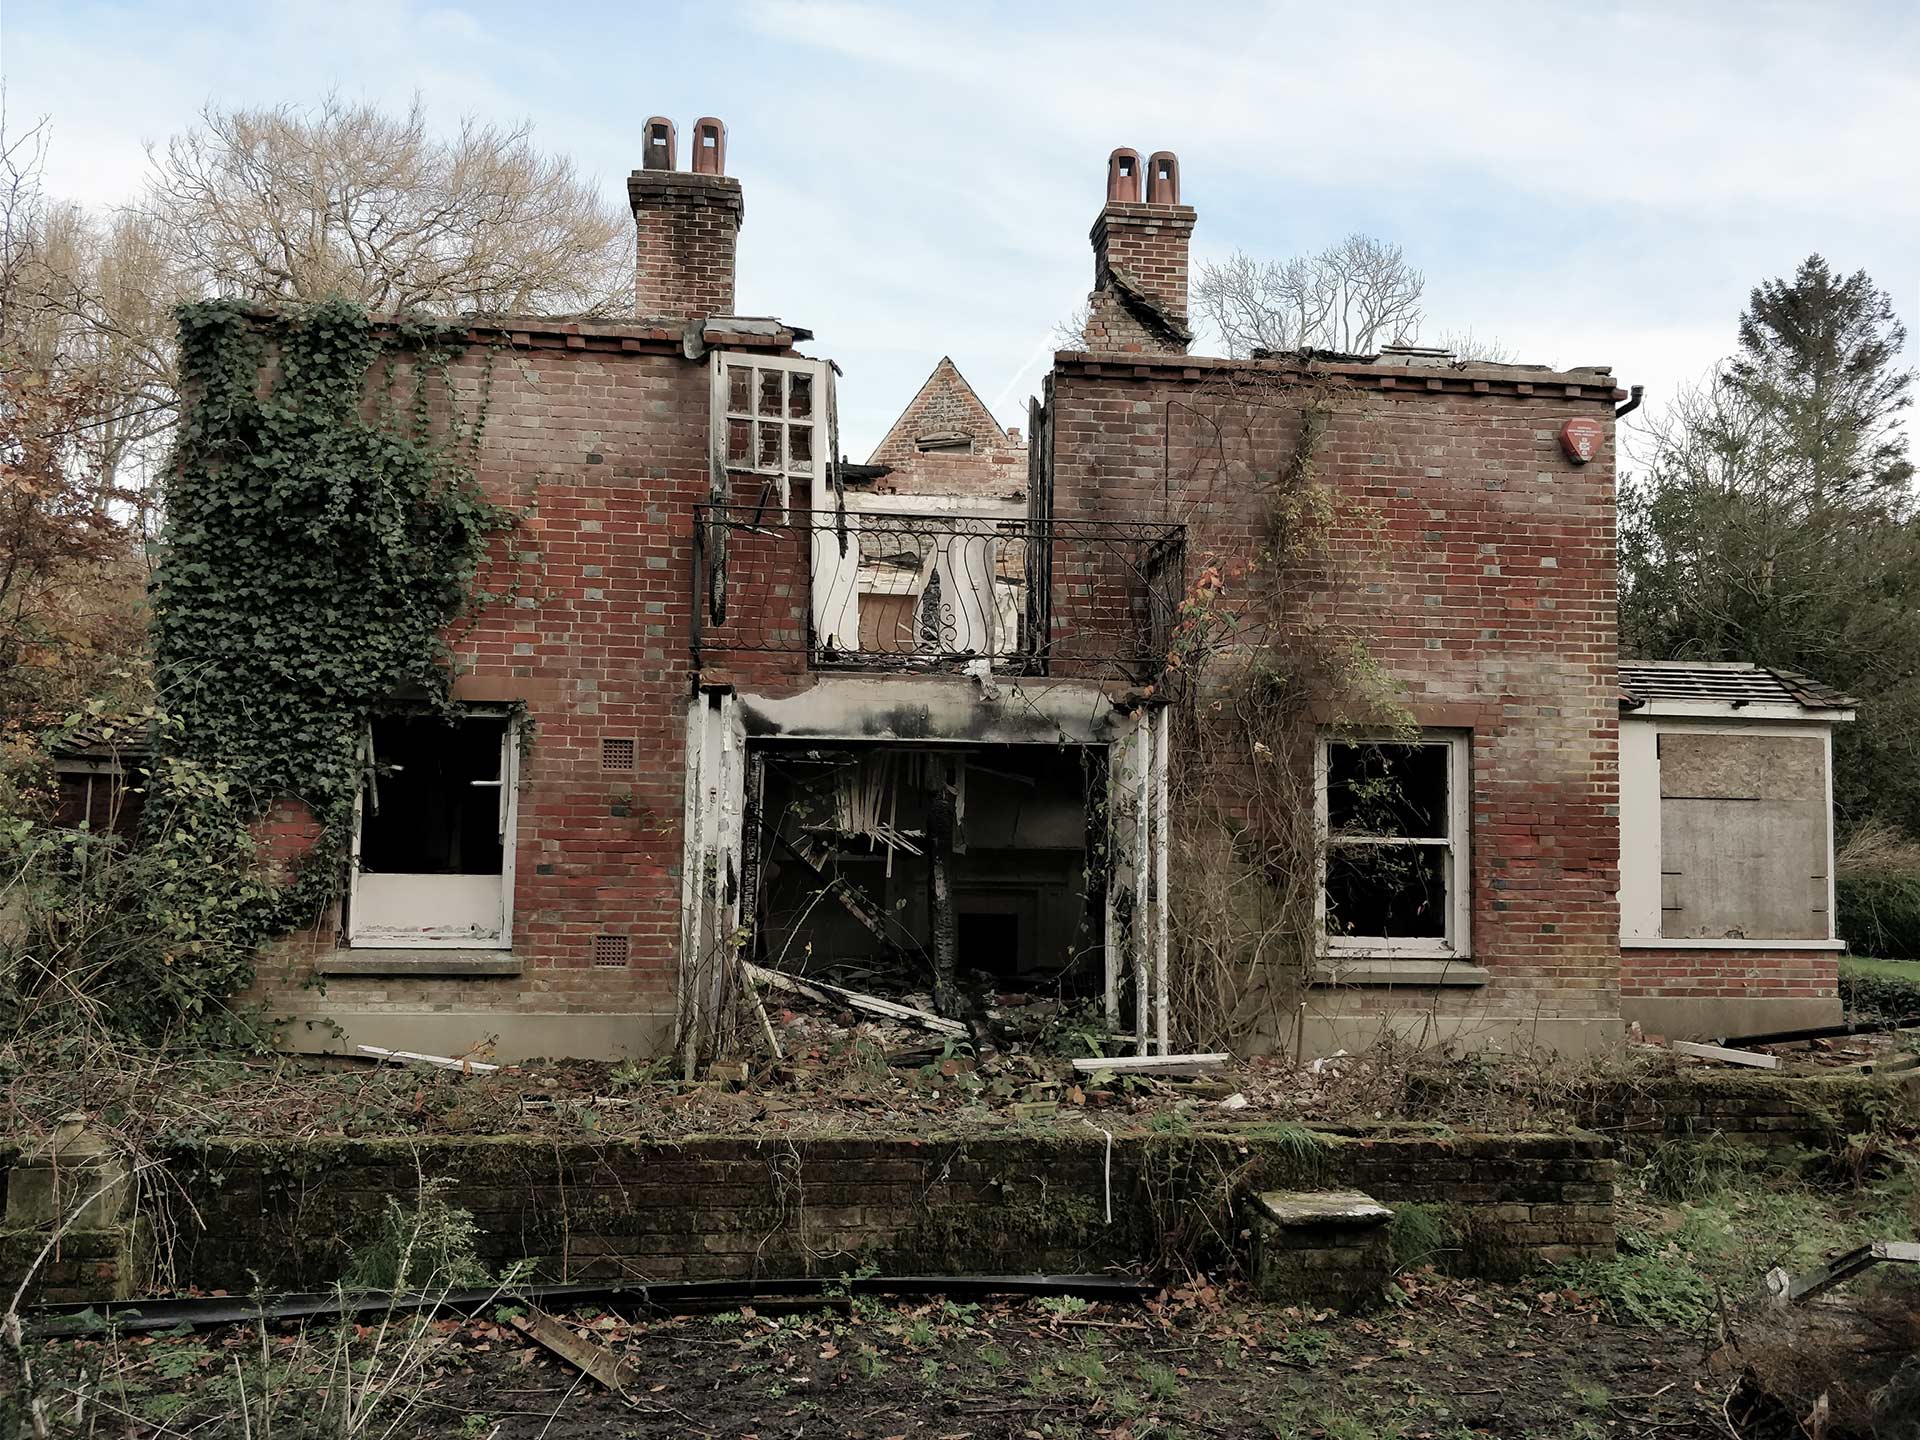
(616, 754)
(610, 952)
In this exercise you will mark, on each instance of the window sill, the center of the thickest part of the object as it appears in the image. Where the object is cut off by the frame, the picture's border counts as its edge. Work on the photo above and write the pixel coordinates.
(474, 963)
(1650, 942)
(1392, 970)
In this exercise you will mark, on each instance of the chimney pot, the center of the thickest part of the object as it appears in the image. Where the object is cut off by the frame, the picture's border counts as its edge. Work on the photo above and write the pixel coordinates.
(1163, 178)
(1140, 256)
(709, 146)
(660, 146)
(685, 224)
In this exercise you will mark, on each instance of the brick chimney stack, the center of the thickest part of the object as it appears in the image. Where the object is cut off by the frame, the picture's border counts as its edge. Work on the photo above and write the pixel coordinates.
(685, 224)
(1139, 299)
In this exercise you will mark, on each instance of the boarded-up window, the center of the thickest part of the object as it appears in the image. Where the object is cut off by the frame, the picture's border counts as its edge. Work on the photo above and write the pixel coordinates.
(1743, 837)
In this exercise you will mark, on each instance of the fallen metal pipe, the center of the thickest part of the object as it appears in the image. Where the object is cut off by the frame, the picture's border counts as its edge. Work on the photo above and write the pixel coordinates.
(1820, 1032)
(205, 1311)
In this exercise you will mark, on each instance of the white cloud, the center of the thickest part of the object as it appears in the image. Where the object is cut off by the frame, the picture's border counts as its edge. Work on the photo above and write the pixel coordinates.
(1589, 185)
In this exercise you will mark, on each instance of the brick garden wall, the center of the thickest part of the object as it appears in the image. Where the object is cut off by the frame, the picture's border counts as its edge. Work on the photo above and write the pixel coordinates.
(295, 1211)
(1788, 1118)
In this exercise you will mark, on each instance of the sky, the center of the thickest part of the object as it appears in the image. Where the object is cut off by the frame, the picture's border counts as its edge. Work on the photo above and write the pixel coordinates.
(1591, 184)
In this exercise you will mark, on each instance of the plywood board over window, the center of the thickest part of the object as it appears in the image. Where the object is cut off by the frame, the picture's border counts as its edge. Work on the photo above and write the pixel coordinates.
(1743, 837)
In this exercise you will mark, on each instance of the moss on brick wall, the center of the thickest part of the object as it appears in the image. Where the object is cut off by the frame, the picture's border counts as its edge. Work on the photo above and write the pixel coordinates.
(294, 1213)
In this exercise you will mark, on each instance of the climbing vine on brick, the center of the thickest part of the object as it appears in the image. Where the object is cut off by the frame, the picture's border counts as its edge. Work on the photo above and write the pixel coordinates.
(324, 529)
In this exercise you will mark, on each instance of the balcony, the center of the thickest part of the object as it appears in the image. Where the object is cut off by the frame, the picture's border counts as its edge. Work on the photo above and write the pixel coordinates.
(886, 591)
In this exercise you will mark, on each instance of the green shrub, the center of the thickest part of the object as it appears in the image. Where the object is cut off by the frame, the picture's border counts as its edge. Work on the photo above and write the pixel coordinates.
(1877, 893)
(1880, 988)
(428, 1246)
(1646, 1284)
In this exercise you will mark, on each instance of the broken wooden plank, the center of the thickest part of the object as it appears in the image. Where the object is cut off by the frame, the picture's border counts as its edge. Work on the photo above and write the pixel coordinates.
(439, 1062)
(587, 1356)
(825, 994)
(862, 906)
(1783, 1289)
(1726, 1056)
(1154, 1064)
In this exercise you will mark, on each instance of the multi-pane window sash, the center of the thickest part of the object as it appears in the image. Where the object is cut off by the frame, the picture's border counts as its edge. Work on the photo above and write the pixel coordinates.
(1394, 814)
(770, 411)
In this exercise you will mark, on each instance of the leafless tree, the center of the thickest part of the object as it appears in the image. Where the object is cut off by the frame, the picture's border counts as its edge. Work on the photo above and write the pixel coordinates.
(342, 199)
(1353, 297)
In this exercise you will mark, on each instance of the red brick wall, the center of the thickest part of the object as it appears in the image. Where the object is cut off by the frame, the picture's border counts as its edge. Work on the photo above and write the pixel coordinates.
(1729, 974)
(994, 467)
(1493, 606)
(604, 452)
(685, 227)
(1149, 243)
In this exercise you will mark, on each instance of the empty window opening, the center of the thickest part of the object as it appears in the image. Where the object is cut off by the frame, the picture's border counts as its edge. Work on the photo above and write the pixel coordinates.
(766, 411)
(1394, 816)
(432, 859)
(436, 798)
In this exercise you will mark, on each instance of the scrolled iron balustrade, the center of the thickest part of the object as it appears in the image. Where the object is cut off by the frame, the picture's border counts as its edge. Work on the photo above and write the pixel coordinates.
(884, 590)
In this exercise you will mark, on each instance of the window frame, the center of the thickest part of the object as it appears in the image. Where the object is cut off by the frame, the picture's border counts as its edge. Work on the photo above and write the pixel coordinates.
(356, 936)
(1642, 920)
(783, 473)
(1457, 941)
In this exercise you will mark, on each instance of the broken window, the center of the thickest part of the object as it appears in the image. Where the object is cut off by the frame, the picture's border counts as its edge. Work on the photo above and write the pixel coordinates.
(433, 861)
(1744, 842)
(769, 417)
(1394, 816)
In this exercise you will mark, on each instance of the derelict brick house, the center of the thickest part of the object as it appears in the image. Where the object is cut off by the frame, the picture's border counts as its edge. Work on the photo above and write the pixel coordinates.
(812, 713)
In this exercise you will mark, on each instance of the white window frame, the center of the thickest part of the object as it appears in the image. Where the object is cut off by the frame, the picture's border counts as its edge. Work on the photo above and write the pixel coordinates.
(1456, 943)
(783, 472)
(1641, 918)
(361, 935)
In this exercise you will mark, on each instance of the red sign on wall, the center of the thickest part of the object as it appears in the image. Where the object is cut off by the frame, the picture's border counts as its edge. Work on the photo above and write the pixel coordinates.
(1581, 439)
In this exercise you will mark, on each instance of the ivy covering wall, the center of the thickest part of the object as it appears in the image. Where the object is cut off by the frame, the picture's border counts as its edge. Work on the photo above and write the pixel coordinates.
(324, 530)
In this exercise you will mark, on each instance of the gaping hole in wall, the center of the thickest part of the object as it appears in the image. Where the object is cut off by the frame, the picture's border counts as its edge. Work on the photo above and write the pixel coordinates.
(842, 848)
(434, 797)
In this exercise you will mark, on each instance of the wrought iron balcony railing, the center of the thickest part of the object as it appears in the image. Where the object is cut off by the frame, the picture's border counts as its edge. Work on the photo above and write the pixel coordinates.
(884, 590)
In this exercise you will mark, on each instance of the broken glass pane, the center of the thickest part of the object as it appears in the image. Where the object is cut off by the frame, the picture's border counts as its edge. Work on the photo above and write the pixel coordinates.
(1387, 891)
(1386, 789)
(740, 389)
(740, 443)
(769, 393)
(800, 449)
(800, 396)
(768, 457)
